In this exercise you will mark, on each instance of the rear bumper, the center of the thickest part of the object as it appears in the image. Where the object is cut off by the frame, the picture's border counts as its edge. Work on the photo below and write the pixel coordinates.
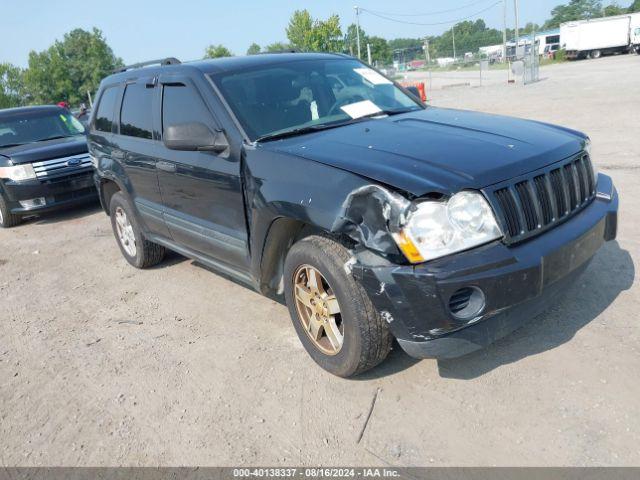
(518, 282)
(61, 193)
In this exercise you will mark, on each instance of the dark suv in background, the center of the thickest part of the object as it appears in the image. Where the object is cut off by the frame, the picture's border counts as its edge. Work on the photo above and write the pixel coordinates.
(314, 178)
(44, 162)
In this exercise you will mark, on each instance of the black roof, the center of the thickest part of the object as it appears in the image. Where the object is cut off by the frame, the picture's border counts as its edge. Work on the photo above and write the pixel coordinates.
(28, 111)
(226, 64)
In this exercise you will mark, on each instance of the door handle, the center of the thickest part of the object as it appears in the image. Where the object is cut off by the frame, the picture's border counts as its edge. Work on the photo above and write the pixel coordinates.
(166, 167)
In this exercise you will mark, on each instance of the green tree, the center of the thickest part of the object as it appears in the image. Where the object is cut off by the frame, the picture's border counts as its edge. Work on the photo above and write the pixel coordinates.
(306, 34)
(11, 86)
(351, 40)
(574, 10)
(406, 49)
(635, 7)
(70, 68)
(217, 51)
(469, 36)
(614, 9)
(380, 51)
(254, 49)
(277, 47)
(530, 27)
(299, 30)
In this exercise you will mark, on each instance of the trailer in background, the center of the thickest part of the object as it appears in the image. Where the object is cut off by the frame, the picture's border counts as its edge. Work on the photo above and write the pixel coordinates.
(599, 36)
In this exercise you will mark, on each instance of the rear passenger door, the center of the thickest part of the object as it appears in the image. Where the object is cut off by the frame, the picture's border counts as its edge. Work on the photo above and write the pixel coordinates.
(201, 191)
(139, 143)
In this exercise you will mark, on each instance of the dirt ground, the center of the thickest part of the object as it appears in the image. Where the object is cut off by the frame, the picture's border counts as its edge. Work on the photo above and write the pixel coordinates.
(102, 364)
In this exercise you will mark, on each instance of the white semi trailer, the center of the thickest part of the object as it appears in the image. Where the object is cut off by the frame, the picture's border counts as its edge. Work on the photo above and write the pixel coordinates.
(600, 36)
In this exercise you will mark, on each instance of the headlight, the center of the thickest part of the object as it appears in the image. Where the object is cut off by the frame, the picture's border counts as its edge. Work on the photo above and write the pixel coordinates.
(437, 228)
(594, 170)
(18, 173)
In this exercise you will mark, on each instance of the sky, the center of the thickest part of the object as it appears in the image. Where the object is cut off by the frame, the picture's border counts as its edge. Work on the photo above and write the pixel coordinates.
(139, 30)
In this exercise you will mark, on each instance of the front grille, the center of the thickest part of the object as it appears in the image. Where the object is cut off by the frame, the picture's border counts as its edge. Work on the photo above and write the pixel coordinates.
(59, 167)
(529, 206)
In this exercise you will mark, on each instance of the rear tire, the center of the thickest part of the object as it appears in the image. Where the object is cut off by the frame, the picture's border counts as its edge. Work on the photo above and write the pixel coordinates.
(136, 249)
(366, 339)
(7, 219)
(595, 54)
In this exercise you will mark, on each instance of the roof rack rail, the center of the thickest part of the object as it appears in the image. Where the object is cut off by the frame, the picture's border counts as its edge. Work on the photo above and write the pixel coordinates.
(161, 62)
(286, 50)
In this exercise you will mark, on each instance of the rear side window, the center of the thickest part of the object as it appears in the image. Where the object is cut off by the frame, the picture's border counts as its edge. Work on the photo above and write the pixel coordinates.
(104, 115)
(182, 104)
(136, 116)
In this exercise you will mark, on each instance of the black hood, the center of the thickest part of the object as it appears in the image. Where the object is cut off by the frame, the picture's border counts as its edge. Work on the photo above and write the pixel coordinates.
(437, 150)
(37, 151)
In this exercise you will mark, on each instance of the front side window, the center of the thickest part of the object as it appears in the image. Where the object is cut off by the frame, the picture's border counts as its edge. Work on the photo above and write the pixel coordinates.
(182, 104)
(37, 126)
(272, 99)
(136, 115)
(106, 108)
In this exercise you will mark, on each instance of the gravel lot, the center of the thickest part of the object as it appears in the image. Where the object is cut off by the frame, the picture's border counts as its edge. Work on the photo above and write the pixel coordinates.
(102, 364)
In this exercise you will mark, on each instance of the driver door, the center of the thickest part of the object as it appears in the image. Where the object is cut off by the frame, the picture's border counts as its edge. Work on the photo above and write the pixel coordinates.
(203, 205)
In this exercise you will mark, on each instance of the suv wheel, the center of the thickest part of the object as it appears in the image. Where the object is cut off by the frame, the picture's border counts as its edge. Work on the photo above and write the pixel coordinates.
(332, 314)
(139, 252)
(7, 219)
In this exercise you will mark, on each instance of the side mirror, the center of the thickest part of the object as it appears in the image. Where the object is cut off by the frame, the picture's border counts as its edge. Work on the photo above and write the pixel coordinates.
(195, 136)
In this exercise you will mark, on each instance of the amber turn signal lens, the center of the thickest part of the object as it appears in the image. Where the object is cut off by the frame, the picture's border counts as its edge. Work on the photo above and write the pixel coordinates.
(407, 247)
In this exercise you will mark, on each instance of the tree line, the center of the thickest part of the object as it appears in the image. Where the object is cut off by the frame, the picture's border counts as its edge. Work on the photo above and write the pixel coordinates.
(71, 69)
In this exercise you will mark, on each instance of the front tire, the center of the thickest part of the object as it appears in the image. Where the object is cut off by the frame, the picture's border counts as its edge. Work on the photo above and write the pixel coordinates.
(332, 314)
(7, 219)
(136, 249)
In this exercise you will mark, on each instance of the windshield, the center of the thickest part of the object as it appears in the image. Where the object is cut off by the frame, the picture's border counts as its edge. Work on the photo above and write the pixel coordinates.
(299, 95)
(29, 127)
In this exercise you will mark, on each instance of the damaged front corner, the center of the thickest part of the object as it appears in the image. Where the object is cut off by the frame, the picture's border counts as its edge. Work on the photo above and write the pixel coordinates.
(370, 215)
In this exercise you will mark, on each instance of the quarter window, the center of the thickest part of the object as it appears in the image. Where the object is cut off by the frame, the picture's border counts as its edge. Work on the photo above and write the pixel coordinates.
(104, 115)
(181, 104)
(136, 116)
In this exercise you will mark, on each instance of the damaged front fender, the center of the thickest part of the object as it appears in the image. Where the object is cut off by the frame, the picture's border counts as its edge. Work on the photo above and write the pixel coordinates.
(370, 215)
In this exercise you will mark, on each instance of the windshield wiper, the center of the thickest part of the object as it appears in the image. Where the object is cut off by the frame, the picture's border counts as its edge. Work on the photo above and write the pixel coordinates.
(299, 131)
(388, 112)
(9, 145)
(325, 126)
(55, 137)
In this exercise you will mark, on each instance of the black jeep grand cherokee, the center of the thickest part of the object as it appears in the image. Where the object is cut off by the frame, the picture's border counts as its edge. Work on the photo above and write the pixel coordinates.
(315, 177)
(44, 162)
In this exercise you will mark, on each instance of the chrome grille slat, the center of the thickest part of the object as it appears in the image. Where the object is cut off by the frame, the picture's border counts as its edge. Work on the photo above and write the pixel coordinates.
(534, 203)
(59, 166)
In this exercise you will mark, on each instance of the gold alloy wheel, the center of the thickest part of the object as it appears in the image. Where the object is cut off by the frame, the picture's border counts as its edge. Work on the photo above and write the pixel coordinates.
(318, 310)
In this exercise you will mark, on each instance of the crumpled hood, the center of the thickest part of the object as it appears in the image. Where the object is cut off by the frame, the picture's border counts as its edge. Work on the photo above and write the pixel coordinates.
(437, 150)
(37, 151)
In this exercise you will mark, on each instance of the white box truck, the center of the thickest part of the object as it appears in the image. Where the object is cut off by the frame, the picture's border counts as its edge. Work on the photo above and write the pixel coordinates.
(599, 36)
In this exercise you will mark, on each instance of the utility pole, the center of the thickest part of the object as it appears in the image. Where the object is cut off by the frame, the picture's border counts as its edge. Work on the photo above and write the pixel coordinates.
(358, 28)
(453, 37)
(369, 53)
(515, 8)
(426, 51)
(504, 32)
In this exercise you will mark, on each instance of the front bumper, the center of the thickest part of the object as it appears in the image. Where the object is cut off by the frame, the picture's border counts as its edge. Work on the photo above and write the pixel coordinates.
(59, 193)
(517, 281)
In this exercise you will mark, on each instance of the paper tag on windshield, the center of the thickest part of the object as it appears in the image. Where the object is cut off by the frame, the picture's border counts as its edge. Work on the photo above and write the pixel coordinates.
(361, 109)
(372, 76)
